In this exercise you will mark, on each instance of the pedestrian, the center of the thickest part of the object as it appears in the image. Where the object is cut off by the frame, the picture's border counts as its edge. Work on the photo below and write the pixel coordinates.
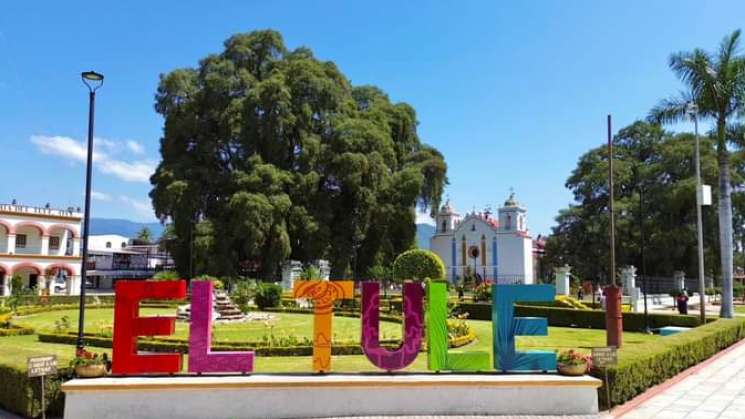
(580, 294)
(683, 302)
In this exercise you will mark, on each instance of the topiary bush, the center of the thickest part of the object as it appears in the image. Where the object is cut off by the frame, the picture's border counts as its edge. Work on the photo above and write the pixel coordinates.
(268, 295)
(418, 264)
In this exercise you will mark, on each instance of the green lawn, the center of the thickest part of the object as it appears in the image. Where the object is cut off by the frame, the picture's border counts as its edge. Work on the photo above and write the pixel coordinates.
(740, 309)
(300, 325)
(15, 350)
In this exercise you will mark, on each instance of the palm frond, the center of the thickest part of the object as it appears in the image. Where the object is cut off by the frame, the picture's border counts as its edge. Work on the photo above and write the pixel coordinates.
(694, 69)
(670, 110)
(728, 48)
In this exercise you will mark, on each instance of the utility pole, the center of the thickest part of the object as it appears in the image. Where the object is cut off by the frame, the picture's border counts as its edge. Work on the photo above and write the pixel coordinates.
(693, 111)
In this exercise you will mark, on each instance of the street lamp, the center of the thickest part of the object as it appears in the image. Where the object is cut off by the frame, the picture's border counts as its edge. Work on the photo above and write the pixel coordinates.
(692, 110)
(93, 81)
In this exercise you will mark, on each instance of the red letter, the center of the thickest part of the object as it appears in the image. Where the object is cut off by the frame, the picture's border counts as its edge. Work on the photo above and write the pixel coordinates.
(128, 325)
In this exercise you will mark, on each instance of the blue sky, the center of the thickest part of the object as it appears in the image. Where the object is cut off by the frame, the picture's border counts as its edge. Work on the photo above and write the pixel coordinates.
(512, 94)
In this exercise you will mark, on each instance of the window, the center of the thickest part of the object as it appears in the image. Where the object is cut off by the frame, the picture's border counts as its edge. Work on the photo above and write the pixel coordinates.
(21, 241)
(54, 242)
(124, 244)
(444, 226)
(108, 245)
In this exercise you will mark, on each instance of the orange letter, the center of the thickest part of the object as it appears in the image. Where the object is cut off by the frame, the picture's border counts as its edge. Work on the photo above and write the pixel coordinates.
(323, 294)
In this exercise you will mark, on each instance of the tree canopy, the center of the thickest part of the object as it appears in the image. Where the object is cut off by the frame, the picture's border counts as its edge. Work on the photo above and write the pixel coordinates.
(269, 154)
(660, 164)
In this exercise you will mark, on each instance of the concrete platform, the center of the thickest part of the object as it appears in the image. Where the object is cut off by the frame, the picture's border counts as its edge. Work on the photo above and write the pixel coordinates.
(316, 396)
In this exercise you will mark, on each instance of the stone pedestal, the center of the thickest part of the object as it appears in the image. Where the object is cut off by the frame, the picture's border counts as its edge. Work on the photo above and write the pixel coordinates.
(338, 395)
(291, 271)
(628, 279)
(563, 280)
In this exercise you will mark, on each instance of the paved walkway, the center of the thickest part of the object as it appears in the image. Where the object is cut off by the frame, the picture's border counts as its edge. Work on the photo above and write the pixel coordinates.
(716, 390)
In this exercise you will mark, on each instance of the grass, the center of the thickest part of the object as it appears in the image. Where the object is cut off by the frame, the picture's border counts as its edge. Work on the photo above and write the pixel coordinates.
(284, 324)
(15, 350)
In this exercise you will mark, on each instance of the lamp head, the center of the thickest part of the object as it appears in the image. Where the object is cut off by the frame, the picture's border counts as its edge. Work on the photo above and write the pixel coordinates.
(92, 79)
(692, 109)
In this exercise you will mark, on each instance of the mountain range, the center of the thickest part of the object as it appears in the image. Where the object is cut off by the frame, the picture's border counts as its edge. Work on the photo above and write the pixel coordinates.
(130, 229)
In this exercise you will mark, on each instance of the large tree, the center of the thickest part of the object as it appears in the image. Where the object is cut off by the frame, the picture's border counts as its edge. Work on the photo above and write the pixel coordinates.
(716, 83)
(655, 184)
(271, 154)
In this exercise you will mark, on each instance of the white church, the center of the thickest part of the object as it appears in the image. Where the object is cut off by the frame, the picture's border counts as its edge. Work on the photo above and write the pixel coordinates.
(498, 249)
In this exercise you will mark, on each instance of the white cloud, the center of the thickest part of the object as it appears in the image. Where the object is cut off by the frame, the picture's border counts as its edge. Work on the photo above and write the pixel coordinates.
(142, 207)
(135, 147)
(424, 218)
(100, 196)
(138, 171)
(133, 171)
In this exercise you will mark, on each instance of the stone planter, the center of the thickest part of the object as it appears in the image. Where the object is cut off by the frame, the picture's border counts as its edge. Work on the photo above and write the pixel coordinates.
(572, 370)
(90, 371)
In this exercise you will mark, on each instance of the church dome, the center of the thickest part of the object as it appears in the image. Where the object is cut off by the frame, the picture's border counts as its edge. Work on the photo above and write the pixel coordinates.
(511, 201)
(446, 209)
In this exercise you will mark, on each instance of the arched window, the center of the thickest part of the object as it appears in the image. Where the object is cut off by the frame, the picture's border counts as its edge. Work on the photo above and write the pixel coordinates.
(473, 227)
(444, 226)
(509, 222)
(108, 245)
(124, 244)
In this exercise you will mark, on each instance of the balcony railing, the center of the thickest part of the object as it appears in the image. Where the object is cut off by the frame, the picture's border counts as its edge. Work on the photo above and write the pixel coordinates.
(26, 209)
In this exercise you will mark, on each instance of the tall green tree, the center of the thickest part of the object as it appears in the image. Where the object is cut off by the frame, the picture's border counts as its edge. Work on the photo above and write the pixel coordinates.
(271, 154)
(145, 235)
(654, 173)
(716, 83)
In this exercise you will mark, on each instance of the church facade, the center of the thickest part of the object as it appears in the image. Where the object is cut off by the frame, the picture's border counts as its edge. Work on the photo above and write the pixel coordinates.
(498, 249)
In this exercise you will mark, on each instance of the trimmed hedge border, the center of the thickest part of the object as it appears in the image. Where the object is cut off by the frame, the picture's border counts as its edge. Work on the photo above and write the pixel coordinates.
(666, 358)
(22, 395)
(593, 319)
(12, 330)
(353, 314)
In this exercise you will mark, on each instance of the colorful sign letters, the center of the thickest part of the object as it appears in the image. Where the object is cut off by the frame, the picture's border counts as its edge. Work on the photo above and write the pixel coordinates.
(128, 325)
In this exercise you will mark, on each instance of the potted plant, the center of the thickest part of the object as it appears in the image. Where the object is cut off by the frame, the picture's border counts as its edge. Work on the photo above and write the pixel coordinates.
(573, 363)
(89, 365)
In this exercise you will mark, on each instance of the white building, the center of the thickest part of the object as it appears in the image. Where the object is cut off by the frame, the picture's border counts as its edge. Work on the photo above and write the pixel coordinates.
(42, 246)
(495, 249)
(113, 257)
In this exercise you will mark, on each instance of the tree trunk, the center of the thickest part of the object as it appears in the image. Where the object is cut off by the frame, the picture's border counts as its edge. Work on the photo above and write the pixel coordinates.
(725, 228)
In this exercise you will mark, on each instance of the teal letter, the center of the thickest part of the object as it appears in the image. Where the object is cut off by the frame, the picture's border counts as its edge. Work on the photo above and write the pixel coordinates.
(506, 326)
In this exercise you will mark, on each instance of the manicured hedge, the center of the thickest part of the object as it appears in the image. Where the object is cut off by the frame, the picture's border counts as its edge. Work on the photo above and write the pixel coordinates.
(594, 319)
(12, 330)
(353, 314)
(662, 359)
(63, 299)
(22, 395)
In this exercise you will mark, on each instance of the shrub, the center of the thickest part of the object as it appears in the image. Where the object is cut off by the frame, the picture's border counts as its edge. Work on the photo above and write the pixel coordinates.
(216, 283)
(166, 276)
(418, 264)
(244, 292)
(482, 292)
(655, 362)
(13, 330)
(21, 394)
(310, 272)
(268, 295)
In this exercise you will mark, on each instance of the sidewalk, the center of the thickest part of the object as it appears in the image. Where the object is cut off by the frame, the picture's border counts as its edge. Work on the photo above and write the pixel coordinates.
(716, 390)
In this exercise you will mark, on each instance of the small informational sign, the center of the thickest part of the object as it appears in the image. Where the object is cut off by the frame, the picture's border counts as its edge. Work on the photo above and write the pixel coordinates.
(605, 357)
(42, 365)
(705, 195)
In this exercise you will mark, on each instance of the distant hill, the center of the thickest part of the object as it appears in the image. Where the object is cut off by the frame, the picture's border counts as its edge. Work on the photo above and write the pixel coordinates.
(125, 228)
(423, 233)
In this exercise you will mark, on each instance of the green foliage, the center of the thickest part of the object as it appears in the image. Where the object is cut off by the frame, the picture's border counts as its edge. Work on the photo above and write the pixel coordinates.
(418, 264)
(659, 360)
(310, 272)
(7, 329)
(593, 319)
(62, 325)
(21, 394)
(216, 283)
(658, 162)
(166, 276)
(145, 235)
(482, 292)
(243, 293)
(271, 154)
(268, 295)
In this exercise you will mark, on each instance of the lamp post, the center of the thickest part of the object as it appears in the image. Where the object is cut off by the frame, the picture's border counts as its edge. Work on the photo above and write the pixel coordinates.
(692, 110)
(93, 81)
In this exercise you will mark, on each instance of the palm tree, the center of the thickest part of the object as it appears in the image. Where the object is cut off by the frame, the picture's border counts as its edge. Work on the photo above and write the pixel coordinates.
(145, 235)
(717, 87)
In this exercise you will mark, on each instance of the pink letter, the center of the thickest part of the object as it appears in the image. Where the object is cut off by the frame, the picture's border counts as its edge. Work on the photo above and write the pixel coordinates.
(201, 358)
(409, 349)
